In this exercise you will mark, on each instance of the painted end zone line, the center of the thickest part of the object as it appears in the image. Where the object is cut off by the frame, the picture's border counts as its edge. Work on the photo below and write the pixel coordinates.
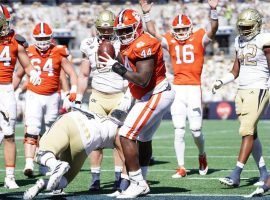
(196, 195)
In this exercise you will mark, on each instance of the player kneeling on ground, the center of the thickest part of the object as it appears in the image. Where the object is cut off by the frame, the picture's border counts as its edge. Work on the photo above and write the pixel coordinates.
(67, 144)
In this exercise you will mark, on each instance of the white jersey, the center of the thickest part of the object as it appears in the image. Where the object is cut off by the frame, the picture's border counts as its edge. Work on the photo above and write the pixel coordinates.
(108, 82)
(254, 72)
(96, 133)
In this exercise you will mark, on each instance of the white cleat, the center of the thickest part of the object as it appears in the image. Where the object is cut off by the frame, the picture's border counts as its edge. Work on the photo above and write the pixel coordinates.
(203, 172)
(259, 183)
(134, 190)
(34, 190)
(60, 169)
(114, 194)
(10, 183)
(257, 193)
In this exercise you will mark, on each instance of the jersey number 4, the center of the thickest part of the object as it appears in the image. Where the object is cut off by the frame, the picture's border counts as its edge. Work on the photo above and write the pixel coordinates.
(48, 66)
(5, 56)
(187, 54)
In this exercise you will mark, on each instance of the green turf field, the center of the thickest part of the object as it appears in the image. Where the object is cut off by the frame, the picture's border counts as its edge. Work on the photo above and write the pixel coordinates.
(222, 146)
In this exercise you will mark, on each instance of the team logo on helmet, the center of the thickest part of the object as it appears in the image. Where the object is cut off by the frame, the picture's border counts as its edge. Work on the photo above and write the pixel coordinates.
(128, 26)
(249, 23)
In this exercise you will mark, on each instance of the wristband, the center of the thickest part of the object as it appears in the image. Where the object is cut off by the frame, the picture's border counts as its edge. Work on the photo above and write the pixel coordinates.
(146, 17)
(119, 69)
(229, 77)
(79, 97)
(214, 14)
(73, 89)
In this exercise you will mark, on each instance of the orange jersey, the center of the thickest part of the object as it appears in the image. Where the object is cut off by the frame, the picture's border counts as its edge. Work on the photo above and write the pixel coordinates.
(8, 58)
(143, 47)
(187, 58)
(49, 66)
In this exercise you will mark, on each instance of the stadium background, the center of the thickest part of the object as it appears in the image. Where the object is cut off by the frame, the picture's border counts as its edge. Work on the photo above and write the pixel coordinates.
(73, 20)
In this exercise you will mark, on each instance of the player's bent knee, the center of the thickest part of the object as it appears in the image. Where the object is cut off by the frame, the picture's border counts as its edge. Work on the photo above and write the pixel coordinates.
(196, 133)
(179, 134)
(245, 131)
(30, 139)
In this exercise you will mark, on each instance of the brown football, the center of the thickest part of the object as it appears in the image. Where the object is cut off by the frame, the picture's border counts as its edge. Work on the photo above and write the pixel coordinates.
(106, 46)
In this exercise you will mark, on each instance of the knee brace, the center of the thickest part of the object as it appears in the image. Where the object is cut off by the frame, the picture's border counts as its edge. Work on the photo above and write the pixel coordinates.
(30, 139)
(196, 133)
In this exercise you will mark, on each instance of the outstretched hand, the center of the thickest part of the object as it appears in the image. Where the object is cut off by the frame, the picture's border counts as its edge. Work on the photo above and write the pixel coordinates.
(146, 7)
(213, 3)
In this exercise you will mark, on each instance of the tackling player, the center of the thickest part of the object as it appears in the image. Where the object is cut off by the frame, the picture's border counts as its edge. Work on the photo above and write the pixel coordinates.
(71, 139)
(12, 47)
(42, 101)
(107, 89)
(251, 67)
(186, 48)
(144, 68)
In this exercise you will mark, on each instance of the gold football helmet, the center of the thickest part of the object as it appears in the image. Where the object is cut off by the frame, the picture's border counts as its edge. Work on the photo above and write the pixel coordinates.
(104, 25)
(249, 23)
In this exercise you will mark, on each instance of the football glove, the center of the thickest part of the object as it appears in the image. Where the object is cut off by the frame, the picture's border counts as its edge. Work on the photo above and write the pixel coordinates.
(34, 77)
(217, 84)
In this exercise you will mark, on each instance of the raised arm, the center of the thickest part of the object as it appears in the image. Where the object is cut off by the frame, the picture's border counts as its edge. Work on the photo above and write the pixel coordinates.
(214, 18)
(150, 24)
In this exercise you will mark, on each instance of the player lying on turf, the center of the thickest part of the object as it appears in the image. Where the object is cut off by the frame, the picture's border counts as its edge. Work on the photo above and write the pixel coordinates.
(67, 144)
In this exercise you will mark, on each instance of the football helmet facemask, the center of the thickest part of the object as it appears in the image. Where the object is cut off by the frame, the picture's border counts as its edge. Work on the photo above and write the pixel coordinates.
(249, 23)
(128, 26)
(42, 34)
(4, 21)
(104, 25)
(181, 27)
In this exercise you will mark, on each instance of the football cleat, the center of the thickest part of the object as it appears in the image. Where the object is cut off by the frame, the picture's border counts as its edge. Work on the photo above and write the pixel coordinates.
(134, 190)
(229, 182)
(34, 190)
(203, 167)
(95, 186)
(257, 193)
(29, 170)
(180, 172)
(60, 169)
(259, 183)
(10, 183)
(114, 194)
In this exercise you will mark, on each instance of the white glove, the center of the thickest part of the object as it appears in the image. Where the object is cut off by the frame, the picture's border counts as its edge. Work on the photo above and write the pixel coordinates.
(78, 101)
(217, 84)
(126, 101)
(34, 77)
(108, 63)
(67, 103)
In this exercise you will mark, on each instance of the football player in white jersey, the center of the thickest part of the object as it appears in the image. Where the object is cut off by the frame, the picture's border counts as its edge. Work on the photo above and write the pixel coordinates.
(251, 67)
(71, 139)
(107, 88)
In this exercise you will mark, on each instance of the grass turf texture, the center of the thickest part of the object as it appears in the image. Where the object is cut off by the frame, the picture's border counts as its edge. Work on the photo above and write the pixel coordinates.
(222, 147)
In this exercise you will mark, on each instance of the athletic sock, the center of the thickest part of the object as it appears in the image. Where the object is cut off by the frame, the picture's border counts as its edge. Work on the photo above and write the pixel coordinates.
(10, 171)
(95, 171)
(144, 171)
(235, 175)
(136, 176)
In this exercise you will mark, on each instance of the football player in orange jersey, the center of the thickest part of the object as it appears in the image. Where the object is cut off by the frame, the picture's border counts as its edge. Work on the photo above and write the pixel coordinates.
(186, 48)
(42, 101)
(11, 49)
(144, 68)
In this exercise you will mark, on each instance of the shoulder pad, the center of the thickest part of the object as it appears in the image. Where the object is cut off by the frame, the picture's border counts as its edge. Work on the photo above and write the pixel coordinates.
(146, 48)
(21, 40)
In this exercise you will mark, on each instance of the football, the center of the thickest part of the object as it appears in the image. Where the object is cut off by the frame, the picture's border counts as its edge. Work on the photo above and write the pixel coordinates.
(105, 46)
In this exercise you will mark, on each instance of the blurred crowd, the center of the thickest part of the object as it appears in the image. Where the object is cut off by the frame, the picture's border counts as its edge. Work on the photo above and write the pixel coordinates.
(79, 19)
